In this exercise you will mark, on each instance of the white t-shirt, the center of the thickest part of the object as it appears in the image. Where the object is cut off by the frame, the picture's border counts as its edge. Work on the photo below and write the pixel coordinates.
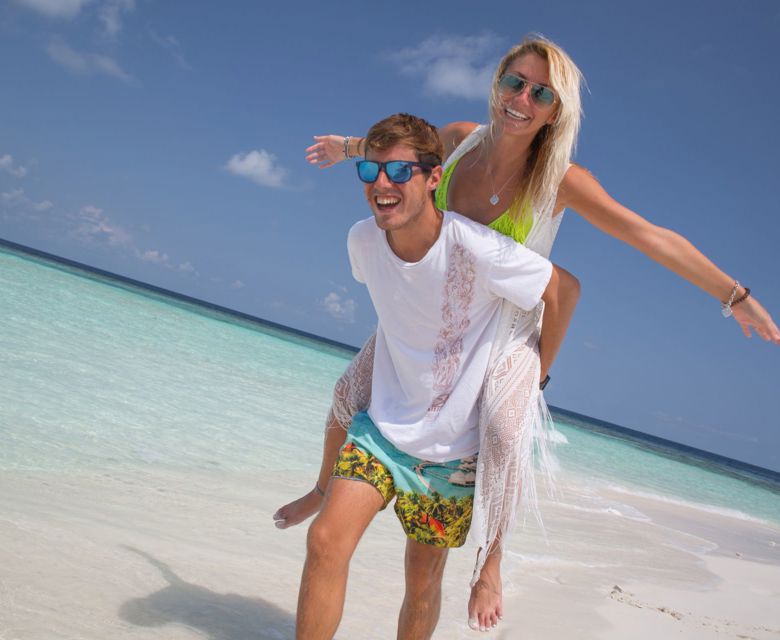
(437, 322)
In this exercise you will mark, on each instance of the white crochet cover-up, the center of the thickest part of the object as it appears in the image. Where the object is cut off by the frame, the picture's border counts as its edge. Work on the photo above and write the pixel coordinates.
(514, 421)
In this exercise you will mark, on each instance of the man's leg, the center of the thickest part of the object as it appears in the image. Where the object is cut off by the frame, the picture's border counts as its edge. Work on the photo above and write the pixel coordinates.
(422, 601)
(349, 507)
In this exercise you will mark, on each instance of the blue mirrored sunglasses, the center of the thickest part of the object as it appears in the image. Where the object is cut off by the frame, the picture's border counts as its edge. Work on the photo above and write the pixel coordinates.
(539, 93)
(397, 171)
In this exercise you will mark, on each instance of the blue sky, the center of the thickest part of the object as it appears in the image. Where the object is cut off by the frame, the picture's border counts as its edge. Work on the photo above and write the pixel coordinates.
(164, 141)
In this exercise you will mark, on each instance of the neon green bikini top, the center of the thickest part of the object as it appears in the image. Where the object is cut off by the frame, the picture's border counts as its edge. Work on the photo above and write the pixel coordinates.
(517, 230)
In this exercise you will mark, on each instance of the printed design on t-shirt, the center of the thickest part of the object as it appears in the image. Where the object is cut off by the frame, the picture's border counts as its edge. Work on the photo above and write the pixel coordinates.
(458, 294)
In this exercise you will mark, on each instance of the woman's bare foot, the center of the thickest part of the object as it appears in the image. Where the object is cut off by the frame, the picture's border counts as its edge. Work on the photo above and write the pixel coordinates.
(298, 510)
(485, 603)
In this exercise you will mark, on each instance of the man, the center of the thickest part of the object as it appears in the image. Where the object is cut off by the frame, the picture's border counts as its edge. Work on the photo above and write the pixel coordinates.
(437, 281)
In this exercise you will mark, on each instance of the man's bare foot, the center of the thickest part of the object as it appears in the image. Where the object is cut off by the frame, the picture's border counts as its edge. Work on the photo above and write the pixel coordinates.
(298, 510)
(485, 603)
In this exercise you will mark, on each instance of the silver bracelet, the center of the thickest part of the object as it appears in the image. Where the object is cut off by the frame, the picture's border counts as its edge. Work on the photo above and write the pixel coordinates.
(726, 306)
(346, 146)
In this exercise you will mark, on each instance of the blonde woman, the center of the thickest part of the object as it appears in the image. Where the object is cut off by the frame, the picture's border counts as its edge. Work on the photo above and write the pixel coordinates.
(515, 175)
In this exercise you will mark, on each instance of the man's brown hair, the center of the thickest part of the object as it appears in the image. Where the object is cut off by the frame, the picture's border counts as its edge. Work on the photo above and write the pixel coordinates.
(408, 130)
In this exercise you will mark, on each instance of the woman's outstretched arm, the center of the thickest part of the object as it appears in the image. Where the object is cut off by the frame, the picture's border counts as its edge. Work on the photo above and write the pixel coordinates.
(581, 192)
(332, 149)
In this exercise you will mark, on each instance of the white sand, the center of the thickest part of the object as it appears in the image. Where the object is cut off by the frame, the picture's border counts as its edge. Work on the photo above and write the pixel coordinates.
(181, 556)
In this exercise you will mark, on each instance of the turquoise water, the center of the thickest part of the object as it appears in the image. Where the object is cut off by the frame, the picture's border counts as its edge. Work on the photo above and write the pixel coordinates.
(609, 461)
(96, 376)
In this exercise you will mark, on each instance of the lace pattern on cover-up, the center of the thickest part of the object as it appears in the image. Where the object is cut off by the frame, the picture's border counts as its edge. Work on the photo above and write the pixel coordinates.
(514, 425)
(352, 393)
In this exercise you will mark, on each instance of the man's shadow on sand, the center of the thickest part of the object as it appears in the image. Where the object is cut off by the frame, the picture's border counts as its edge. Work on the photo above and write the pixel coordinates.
(221, 616)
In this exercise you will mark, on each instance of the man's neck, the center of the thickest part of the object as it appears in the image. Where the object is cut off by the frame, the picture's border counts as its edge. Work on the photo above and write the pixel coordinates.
(413, 241)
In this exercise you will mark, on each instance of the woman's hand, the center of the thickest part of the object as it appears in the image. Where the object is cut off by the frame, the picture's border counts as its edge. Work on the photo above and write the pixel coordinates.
(751, 315)
(326, 151)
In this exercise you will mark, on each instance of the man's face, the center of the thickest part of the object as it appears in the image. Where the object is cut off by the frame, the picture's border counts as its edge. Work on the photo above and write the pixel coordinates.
(397, 205)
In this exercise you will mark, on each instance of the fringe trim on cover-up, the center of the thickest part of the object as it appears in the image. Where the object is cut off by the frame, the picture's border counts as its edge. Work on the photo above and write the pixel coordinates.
(515, 429)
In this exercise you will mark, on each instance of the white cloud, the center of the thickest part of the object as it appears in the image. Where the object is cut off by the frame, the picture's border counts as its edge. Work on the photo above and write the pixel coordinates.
(56, 8)
(340, 308)
(110, 14)
(170, 43)
(162, 259)
(86, 63)
(7, 165)
(93, 227)
(12, 198)
(452, 66)
(152, 255)
(258, 166)
(590, 345)
(238, 284)
(18, 201)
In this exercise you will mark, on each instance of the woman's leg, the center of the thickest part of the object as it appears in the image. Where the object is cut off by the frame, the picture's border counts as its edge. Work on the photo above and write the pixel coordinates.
(512, 412)
(351, 395)
(559, 304)
(485, 603)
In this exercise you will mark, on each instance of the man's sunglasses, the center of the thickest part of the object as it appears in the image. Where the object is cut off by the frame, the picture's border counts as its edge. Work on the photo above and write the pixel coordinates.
(539, 93)
(397, 171)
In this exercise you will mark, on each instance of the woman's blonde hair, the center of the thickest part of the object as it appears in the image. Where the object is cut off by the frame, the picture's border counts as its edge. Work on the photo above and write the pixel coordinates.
(553, 148)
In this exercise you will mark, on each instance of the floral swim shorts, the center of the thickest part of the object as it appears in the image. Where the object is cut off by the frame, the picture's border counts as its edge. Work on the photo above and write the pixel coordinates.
(434, 500)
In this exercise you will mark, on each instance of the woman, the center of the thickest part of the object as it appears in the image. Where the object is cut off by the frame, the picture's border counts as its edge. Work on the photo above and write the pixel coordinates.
(522, 159)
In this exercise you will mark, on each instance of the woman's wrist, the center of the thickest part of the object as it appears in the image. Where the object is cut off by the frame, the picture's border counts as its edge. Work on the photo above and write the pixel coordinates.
(351, 147)
(738, 294)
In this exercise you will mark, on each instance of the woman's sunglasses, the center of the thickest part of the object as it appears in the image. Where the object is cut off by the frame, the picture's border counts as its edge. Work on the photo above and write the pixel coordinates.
(397, 171)
(539, 93)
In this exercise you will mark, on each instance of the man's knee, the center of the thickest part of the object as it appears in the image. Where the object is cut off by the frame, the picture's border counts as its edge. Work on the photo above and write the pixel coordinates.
(324, 544)
(424, 568)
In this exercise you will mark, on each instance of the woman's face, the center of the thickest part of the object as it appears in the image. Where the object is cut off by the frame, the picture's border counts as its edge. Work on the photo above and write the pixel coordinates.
(518, 110)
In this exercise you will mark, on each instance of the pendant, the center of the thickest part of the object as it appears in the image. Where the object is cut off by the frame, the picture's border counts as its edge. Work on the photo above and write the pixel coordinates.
(494, 199)
(726, 311)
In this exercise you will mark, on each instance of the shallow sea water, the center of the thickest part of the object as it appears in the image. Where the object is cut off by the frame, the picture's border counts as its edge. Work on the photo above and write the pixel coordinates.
(99, 376)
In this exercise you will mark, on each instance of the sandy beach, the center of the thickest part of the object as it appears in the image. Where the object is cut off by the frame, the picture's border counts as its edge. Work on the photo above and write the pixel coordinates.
(175, 555)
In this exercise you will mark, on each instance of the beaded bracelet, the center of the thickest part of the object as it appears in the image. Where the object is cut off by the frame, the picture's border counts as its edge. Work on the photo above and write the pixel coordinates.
(743, 297)
(317, 489)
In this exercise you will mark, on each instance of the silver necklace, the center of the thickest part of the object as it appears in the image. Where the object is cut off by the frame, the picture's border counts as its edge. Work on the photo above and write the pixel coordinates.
(494, 199)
